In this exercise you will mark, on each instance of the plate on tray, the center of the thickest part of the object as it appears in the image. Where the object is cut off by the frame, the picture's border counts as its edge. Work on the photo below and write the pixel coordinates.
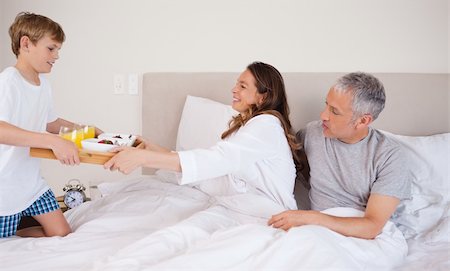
(108, 141)
(98, 145)
(119, 139)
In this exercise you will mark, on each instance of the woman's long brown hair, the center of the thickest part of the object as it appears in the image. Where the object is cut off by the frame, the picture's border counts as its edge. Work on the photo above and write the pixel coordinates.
(270, 83)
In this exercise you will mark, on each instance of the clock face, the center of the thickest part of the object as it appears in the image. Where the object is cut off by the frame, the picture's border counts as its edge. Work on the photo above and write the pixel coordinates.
(73, 198)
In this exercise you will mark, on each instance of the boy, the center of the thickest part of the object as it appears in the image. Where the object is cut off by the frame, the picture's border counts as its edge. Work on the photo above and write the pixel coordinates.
(26, 112)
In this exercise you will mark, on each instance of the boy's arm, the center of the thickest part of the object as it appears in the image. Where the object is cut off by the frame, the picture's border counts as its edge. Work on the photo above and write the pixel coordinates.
(65, 151)
(378, 211)
(13, 135)
(53, 127)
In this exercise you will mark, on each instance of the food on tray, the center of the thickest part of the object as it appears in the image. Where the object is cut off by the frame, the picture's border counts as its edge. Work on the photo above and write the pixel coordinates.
(106, 141)
(119, 139)
(99, 145)
(122, 136)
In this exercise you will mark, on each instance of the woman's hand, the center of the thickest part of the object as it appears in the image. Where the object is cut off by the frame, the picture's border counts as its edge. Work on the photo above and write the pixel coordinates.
(148, 145)
(140, 139)
(126, 160)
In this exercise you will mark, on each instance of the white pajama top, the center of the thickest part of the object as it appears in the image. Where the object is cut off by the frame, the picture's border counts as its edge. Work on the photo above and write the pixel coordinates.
(255, 159)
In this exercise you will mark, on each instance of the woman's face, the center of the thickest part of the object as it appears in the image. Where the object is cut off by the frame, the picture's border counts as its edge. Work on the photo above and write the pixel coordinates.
(245, 93)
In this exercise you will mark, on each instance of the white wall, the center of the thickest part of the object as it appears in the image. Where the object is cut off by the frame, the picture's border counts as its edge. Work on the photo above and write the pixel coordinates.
(105, 37)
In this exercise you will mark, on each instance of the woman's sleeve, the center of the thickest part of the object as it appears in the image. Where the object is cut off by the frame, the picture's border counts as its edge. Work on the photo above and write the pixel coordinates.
(259, 139)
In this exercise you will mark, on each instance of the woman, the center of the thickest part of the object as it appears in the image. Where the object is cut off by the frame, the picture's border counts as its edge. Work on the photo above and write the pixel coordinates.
(249, 174)
(255, 155)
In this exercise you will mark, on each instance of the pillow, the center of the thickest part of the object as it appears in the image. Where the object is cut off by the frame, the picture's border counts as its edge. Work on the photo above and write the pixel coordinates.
(202, 123)
(429, 205)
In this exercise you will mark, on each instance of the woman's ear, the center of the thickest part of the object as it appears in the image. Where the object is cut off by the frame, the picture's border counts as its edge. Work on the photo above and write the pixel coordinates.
(261, 98)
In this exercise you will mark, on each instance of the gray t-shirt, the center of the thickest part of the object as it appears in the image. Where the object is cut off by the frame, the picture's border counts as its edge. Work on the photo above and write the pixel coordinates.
(344, 175)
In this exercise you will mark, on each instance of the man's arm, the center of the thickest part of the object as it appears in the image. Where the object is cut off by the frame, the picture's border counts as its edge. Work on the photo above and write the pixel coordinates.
(378, 211)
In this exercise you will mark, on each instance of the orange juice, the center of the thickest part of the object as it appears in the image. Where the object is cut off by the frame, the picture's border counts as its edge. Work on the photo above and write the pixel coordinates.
(74, 135)
(89, 131)
(69, 135)
(79, 135)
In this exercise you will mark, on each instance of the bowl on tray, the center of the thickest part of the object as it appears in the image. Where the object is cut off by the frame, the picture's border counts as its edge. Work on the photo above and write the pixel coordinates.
(108, 141)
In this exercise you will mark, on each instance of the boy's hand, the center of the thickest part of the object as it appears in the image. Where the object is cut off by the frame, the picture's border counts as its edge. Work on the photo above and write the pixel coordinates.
(65, 151)
(98, 131)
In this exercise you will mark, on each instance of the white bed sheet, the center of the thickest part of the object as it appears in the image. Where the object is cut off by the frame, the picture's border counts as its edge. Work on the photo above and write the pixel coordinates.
(104, 226)
(116, 233)
(422, 256)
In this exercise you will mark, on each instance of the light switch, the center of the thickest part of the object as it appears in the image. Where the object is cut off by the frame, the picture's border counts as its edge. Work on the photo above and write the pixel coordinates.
(133, 84)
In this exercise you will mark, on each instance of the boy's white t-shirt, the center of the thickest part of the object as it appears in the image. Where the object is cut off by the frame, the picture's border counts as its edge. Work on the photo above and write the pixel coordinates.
(28, 107)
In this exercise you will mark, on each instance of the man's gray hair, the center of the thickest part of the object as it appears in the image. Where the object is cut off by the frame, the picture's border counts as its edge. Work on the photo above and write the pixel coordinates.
(368, 96)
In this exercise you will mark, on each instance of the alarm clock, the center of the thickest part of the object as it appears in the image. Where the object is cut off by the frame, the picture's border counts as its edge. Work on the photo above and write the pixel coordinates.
(74, 194)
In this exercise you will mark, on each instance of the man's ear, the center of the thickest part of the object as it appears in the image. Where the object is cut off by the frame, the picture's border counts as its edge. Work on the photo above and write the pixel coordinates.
(365, 120)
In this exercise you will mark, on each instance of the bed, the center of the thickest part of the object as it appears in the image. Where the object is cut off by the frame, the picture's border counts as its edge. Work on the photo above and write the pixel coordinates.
(123, 229)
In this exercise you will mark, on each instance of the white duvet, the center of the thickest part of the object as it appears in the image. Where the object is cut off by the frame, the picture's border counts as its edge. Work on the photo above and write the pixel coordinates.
(149, 224)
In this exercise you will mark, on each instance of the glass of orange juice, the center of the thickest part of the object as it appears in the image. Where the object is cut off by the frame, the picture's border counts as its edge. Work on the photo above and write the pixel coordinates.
(88, 131)
(74, 134)
(80, 135)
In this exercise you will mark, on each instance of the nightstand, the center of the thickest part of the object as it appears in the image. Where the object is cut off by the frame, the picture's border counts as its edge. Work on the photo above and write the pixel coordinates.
(61, 203)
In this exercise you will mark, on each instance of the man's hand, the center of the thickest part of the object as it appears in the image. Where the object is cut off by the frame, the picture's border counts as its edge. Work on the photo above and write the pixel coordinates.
(293, 218)
(378, 211)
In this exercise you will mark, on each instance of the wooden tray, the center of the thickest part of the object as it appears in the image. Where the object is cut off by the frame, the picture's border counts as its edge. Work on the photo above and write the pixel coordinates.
(90, 157)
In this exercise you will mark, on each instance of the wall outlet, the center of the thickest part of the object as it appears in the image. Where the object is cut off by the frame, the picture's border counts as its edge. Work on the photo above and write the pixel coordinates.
(119, 84)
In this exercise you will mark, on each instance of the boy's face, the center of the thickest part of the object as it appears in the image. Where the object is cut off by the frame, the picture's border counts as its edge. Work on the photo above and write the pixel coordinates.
(42, 55)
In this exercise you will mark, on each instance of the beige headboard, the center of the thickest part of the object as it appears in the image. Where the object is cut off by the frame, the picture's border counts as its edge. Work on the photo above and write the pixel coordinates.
(417, 104)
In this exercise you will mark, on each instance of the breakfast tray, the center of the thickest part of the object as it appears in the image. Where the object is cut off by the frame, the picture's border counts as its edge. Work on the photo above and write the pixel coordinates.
(89, 157)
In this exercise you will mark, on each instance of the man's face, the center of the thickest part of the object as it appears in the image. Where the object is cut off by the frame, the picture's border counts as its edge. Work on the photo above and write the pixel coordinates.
(337, 117)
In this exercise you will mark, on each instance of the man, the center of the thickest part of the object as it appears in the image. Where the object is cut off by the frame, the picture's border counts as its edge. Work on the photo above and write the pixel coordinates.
(351, 164)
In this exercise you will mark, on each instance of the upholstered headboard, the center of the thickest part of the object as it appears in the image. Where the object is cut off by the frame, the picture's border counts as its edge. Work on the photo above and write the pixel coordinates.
(417, 104)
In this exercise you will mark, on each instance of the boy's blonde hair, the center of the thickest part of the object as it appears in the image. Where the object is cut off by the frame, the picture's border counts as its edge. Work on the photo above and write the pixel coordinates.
(35, 27)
